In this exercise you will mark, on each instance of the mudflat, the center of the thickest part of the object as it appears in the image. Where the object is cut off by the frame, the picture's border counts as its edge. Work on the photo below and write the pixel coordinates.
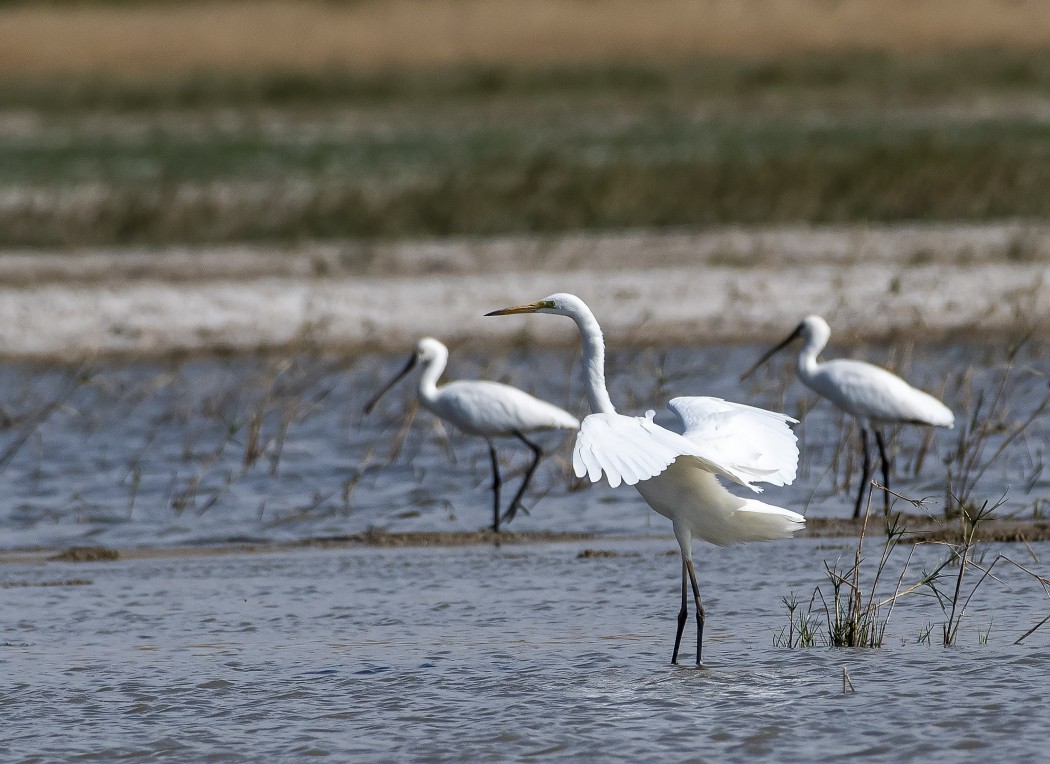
(929, 282)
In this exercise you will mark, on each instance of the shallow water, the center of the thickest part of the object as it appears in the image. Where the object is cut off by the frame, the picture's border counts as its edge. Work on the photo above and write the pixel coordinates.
(480, 652)
(277, 448)
(511, 653)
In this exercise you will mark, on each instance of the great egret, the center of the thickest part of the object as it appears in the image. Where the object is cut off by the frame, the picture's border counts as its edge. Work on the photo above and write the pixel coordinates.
(872, 395)
(488, 409)
(676, 474)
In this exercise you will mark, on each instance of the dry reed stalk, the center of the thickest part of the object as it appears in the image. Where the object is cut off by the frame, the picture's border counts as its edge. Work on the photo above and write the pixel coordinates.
(989, 425)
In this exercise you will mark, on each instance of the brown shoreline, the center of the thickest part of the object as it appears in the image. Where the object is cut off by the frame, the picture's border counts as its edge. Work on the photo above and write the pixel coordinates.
(918, 529)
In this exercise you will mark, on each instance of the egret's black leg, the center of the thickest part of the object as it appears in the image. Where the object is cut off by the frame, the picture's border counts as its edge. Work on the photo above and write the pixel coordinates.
(865, 473)
(682, 614)
(537, 454)
(496, 482)
(885, 472)
(699, 611)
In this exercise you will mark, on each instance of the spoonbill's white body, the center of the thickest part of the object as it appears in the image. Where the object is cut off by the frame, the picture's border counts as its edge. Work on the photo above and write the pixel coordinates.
(874, 396)
(676, 474)
(485, 409)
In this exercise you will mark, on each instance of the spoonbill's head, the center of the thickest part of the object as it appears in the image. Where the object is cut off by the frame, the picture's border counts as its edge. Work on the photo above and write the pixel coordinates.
(428, 350)
(814, 331)
(560, 304)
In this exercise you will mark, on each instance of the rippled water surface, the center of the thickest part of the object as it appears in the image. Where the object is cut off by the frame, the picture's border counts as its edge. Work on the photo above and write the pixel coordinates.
(481, 652)
(484, 653)
(213, 450)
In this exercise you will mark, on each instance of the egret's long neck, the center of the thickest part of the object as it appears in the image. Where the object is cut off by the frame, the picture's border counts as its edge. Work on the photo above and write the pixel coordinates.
(432, 370)
(593, 360)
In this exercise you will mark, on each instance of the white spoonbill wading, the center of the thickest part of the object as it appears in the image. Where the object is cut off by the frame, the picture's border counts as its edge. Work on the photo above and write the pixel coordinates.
(677, 475)
(872, 395)
(487, 409)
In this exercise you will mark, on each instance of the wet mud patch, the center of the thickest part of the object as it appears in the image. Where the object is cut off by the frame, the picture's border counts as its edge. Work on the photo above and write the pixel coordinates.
(591, 554)
(86, 554)
(919, 529)
(67, 582)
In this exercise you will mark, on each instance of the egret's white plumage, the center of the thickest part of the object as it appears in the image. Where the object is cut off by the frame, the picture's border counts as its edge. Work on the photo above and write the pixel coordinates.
(486, 409)
(677, 474)
(874, 396)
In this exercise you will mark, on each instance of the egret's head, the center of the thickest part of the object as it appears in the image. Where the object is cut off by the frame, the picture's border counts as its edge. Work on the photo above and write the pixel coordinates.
(560, 304)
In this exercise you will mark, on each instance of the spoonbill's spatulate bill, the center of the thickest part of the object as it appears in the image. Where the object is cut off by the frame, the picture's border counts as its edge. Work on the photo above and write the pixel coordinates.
(487, 409)
(676, 474)
(872, 395)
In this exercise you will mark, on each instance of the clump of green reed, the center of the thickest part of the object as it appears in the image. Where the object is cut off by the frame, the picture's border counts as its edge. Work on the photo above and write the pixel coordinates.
(856, 616)
(803, 629)
(852, 614)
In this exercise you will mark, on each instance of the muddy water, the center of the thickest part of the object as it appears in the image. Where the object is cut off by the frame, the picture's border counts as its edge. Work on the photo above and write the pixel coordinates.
(485, 653)
(212, 451)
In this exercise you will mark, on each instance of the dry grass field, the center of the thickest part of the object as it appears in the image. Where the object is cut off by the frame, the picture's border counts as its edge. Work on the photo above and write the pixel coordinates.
(165, 38)
(169, 122)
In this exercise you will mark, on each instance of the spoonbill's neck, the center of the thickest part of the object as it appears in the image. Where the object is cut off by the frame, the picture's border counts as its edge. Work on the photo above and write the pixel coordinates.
(807, 357)
(432, 369)
(593, 358)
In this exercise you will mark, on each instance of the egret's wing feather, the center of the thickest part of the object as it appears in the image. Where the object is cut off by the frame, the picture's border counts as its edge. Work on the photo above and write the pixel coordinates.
(746, 443)
(631, 449)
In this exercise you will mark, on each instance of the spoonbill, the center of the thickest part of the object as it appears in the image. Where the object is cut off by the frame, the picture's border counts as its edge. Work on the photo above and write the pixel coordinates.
(487, 409)
(872, 395)
(677, 475)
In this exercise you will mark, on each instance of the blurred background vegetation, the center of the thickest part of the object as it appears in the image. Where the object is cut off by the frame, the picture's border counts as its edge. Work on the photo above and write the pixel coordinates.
(162, 122)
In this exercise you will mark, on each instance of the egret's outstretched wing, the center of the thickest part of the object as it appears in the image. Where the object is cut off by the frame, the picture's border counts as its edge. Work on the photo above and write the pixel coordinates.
(629, 449)
(626, 448)
(747, 443)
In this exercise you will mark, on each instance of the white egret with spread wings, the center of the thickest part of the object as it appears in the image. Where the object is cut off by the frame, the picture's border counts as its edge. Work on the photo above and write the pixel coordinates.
(676, 474)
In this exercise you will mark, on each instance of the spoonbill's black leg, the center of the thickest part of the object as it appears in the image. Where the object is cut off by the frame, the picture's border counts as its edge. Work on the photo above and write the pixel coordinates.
(496, 482)
(682, 614)
(885, 472)
(865, 476)
(699, 612)
(537, 454)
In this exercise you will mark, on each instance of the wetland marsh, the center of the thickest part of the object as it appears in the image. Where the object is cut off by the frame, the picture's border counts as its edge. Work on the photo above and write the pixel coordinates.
(224, 224)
